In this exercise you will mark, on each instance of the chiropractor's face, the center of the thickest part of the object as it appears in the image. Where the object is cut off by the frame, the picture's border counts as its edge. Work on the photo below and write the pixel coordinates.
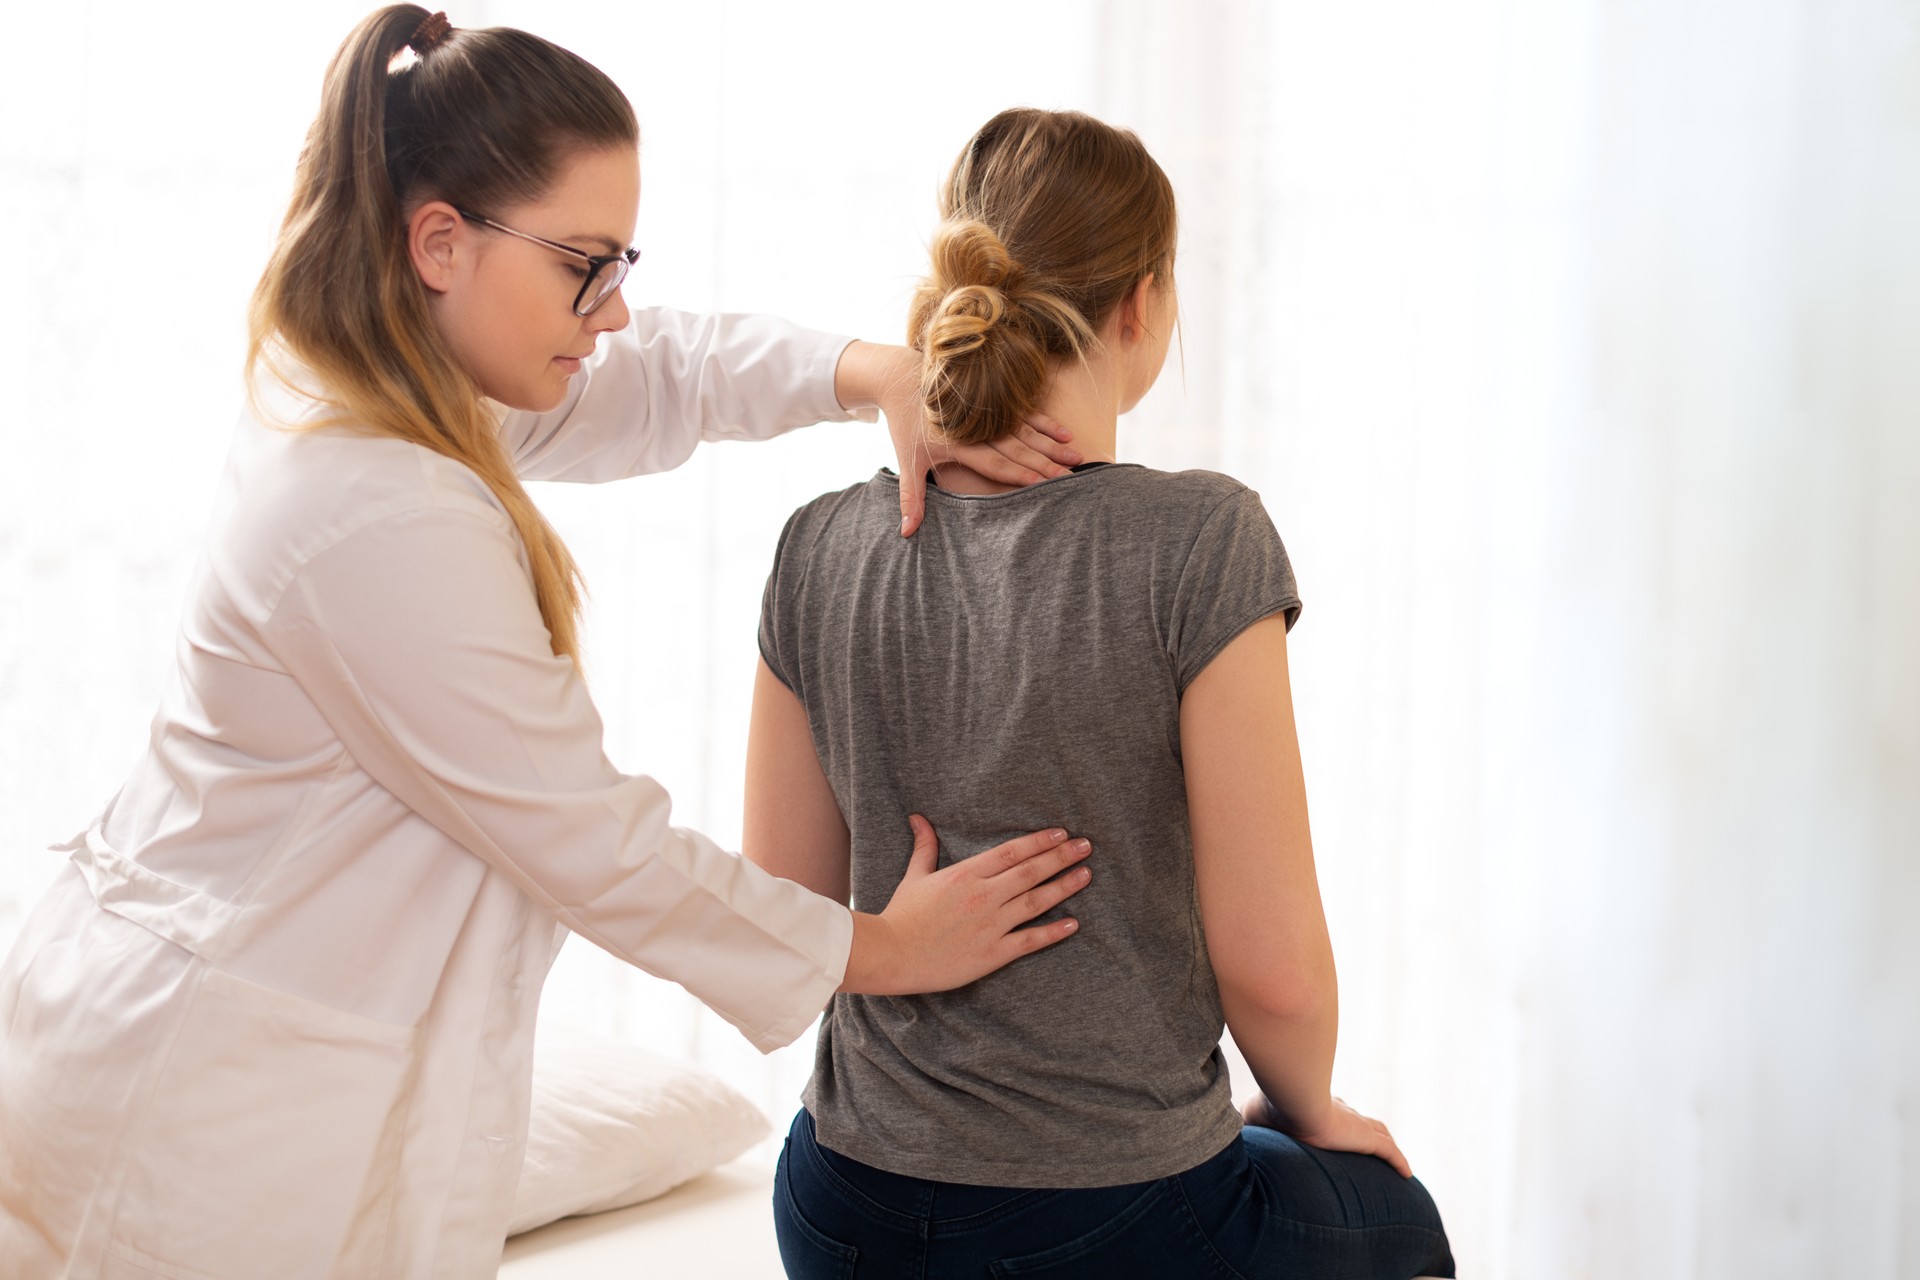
(504, 304)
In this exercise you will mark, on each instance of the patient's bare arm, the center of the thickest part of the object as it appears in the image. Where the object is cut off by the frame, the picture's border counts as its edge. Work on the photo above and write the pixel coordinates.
(1259, 897)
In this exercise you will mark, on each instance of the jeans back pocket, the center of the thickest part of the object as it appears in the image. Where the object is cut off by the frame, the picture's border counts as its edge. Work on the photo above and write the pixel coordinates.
(1122, 1245)
(806, 1252)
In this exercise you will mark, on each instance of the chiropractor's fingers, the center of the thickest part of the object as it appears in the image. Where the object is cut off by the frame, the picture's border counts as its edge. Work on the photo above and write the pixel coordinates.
(1042, 867)
(1037, 450)
(945, 928)
(1006, 856)
(1041, 424)
(1024, 942)
(913, 496)
(1034, 449)
(926, 847)
(907, 428)
(1041, 899)
(1008, 869)
(989, 461)
(1049, 439)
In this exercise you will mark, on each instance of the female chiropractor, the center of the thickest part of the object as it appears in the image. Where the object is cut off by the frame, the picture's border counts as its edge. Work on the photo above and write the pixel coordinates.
(275, 1018)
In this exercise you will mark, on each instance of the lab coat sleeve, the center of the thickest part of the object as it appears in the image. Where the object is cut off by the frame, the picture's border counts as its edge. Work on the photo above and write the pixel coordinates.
(670, 379)
(419, 640)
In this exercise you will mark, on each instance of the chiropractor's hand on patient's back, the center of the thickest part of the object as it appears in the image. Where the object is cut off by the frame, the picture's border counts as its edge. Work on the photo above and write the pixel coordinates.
(947, 926)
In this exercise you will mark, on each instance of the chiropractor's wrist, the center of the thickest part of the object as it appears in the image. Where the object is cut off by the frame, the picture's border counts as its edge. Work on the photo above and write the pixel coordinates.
(875, 375)
(874, 960)
(872, 374)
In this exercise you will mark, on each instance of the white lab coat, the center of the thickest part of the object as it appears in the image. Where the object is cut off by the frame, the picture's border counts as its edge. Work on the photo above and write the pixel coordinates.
(276, 1018)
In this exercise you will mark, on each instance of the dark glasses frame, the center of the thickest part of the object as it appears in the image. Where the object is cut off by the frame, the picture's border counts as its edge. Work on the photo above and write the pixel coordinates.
(621, 263)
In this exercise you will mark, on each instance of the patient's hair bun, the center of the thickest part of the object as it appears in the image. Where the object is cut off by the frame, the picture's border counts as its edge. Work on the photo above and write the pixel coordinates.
(1050, 218)
(973, 320)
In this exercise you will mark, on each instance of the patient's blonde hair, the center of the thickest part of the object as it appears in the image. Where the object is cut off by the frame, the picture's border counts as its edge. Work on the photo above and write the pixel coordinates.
(1049, 220)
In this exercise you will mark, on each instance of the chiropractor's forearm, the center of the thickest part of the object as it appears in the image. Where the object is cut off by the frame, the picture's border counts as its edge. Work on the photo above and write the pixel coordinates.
(872, 373)
(1290, 1051)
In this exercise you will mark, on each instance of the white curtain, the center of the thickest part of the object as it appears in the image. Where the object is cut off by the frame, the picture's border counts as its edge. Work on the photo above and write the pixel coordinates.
(1571, 344)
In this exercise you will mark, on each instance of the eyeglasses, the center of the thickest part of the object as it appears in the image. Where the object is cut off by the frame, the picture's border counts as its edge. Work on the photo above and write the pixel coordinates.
(605, 271)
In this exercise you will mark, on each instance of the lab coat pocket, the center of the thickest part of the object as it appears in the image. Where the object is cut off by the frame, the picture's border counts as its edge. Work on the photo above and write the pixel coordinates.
(268, 1144)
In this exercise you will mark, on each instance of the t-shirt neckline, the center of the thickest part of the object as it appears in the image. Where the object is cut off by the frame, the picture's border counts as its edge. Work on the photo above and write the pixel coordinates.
(1081, 469)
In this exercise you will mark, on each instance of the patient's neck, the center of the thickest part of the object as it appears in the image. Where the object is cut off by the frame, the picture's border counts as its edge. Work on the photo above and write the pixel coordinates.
(1083, 397)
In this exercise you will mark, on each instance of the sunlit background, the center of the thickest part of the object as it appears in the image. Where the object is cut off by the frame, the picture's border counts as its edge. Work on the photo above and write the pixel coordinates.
(1573, 345)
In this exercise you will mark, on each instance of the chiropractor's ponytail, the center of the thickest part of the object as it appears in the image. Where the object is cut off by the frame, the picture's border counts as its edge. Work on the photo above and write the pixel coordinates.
(479, 117)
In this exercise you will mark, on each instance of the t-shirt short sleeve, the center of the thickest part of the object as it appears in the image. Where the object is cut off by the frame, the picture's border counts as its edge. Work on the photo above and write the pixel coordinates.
(771, 600)
(1236, 574)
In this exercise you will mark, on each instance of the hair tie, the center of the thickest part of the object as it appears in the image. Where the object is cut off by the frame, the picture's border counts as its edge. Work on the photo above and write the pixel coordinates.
(429, 34)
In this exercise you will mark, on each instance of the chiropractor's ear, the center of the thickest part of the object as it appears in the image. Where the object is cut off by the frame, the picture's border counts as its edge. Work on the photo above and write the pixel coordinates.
(436, 235)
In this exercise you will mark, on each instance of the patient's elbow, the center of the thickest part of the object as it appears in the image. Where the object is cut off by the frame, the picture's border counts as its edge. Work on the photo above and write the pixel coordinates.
(1296, 996)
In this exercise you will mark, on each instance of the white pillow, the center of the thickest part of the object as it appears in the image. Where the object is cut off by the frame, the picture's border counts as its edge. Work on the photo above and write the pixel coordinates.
(613, 1125)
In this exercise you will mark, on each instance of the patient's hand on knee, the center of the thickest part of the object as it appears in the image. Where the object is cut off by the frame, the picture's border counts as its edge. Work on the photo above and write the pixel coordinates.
(1343, 1129)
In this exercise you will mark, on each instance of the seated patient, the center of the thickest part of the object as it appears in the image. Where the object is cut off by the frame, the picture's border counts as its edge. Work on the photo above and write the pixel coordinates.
(1106, 651)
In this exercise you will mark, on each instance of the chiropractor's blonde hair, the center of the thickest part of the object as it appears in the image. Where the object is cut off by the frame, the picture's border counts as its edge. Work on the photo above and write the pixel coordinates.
(1049, 220)
(479, 118)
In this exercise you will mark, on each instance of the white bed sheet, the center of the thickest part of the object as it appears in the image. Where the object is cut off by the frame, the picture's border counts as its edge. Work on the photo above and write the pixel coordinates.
(719, 1226)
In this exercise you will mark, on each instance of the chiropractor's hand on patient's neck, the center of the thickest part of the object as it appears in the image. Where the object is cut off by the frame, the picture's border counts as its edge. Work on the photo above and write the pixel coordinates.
(947, 926)
(872, 375)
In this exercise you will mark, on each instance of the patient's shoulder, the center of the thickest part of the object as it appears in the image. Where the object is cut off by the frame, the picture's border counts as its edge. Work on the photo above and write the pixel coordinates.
(1177, 503)
(861, 506)
(851, 500)
(1195, 487)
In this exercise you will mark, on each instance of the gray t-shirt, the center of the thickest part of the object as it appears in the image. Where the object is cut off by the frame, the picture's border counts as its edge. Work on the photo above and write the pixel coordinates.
(1018, 664)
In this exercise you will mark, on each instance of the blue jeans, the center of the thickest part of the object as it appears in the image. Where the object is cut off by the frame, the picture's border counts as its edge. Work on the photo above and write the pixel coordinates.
(1265, 1206)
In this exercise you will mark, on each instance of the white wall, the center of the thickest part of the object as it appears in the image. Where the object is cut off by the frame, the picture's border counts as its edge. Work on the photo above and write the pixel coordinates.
(1569, 344)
